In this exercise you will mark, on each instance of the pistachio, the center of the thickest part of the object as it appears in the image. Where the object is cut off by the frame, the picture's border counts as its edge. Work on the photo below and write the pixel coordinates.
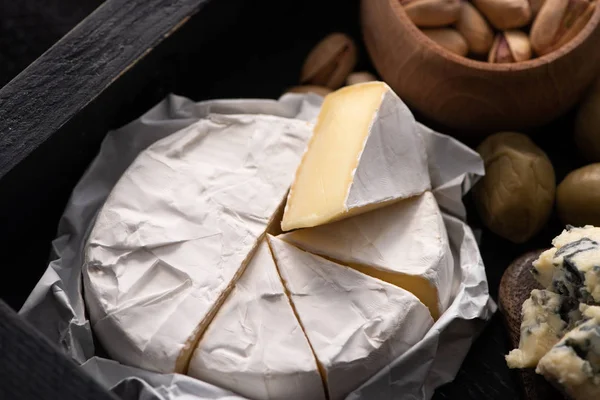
(510, 47)
(516, 195)
(330, 62)
(578, 196)
(535, 6)
(587, 124)
(558, 22)
(320, 90)
(505, 14)
(432, 13)
(475, 29)
(360, 77)
(448, 38)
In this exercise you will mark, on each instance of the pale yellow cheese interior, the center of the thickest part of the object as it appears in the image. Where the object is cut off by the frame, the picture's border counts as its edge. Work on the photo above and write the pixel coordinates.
(323, 179)
(420, 287)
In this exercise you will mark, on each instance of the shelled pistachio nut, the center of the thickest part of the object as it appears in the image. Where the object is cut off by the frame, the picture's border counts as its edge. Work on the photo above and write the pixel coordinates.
(360, 77)
(432, 13)
(330, 62)
(587, 124)
(475, 29)
(505, 14)
(320, 90)
(558, 22)
(509, 47)
(516, 195)
(578, 196)
(448, 38)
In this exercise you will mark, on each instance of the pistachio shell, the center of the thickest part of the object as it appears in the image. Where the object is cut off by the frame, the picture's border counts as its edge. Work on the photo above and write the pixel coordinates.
(535, 6)
(448, 38)
(432, 13)
(330, 62)
(505, 14)
(516, 195)
(509, 47)
(360, 77)
(320, 90)
(557, 22)
(475, 29)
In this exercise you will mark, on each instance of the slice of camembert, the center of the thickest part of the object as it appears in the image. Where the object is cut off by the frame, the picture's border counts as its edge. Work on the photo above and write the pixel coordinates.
(572, 266)
(178, 229)
(356, 324)
(547, 317)
(405, 244)
(255, 346)
(365, 152)
(573, 364)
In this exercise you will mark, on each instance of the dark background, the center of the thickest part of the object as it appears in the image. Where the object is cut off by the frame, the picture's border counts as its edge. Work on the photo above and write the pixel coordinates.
(29, 27)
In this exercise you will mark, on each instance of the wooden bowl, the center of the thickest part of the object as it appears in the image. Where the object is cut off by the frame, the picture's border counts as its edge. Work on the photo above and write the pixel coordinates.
(475, 97)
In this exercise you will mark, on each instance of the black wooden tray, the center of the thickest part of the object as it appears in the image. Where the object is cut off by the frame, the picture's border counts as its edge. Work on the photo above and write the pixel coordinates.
(127, 56)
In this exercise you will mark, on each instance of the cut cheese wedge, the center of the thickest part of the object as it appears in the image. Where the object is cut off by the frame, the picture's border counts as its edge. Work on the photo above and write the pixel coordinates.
(365, 152)
(255, 345)
(405, 244)
(178, 229)
(355, 324)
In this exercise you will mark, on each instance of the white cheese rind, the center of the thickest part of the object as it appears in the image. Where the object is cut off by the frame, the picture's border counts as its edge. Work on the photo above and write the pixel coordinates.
(255, 345)
(177, 230)
(573, 364)
(393, 163)
(366, 152)
(356, 324)
(405, 238)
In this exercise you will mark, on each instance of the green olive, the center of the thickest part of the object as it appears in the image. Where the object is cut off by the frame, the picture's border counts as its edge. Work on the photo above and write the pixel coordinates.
(578, 196)
(516, 195)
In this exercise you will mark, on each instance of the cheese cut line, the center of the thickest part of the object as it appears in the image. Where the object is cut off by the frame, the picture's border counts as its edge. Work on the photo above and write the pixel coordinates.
(356, 324)
(255, 345)
(295, 311)
(404, 244)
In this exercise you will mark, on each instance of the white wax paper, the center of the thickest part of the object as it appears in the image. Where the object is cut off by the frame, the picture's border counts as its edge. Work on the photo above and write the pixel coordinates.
(56, 305)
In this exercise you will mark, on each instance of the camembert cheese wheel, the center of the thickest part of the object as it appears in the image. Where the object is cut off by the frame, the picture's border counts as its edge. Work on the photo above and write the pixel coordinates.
(178, 229)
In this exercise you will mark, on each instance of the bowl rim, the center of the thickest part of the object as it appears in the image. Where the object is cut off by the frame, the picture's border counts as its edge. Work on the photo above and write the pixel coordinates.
(418, 36)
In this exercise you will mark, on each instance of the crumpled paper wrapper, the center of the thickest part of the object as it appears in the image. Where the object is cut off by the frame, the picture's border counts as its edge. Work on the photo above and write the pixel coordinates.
(56, 307)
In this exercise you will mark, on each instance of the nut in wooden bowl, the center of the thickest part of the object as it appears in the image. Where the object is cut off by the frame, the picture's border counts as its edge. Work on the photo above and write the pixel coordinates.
(472, 97)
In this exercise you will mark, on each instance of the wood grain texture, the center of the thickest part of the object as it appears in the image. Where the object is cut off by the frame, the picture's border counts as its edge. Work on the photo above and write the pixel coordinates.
(75, 70)
(31, 367)
(474, 98)
(515, 287)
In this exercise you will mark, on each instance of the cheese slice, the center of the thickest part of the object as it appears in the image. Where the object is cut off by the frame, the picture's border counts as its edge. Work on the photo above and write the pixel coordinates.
(572, 267)
(355, 324)
(365, 152)
(546, 317)
(573, 364)
(255, 345)
(178, 229)
(405, 244)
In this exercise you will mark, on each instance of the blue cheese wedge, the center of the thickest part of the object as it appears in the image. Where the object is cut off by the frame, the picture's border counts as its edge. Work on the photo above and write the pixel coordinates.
(547, 317)
(572, 267)
(573, 364)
